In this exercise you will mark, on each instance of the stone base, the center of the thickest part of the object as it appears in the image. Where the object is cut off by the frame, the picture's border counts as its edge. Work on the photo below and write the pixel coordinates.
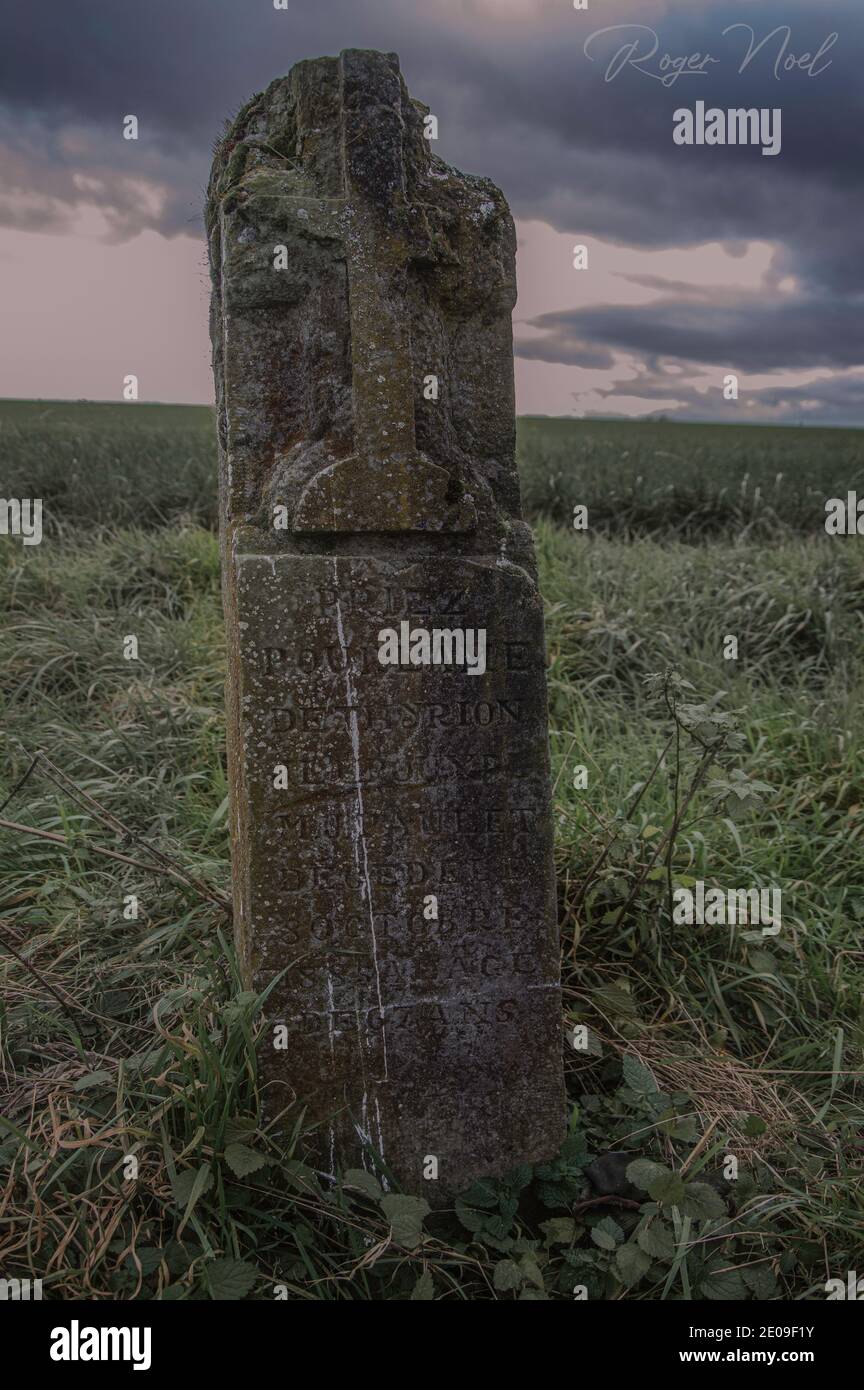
(399, 879)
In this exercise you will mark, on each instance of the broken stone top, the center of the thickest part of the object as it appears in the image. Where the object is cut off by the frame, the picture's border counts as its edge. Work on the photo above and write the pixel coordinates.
(366, 384)
(345, 124)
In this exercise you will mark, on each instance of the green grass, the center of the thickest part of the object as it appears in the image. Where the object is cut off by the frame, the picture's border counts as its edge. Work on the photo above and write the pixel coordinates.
(110, 465)
(148, 465)
(703, 1041)
(689, 481)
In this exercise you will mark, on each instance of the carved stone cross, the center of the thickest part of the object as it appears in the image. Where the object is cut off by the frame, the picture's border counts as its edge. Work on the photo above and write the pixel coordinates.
(386, 484)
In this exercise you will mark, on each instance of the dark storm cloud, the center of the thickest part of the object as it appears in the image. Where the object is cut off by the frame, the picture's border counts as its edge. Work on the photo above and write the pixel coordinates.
(47, 170)
(519, 102)
(756, 334)
(837, 400)
(565, 347)
(523, 103)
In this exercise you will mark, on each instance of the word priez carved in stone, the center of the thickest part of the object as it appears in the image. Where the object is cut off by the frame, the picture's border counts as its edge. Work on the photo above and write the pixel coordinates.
(440, 647)
(390, 600)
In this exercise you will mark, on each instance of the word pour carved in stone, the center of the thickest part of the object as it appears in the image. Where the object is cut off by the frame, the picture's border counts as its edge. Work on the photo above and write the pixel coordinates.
(390, 818)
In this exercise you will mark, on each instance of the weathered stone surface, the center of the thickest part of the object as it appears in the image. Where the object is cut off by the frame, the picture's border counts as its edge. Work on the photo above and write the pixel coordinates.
(409, 1034)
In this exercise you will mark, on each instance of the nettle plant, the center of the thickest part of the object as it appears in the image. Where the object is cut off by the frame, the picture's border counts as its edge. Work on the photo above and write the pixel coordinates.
(637, 862)
(667, 1228)
(618, 1224)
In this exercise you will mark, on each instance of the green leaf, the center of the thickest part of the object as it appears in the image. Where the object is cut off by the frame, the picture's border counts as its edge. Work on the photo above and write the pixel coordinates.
(424, 1290)
(555, 1194)
(499, 1226)
(93, 1079)
(754, 1126)
(507, 1276)
(657, 1240)
(229, 1279)
(638, 1077)
(642, 1172)
(301, 1176)
(525, 1246)
(189, 1186)
(115, 1002)
(149, 1257)
(177, 1257)
(405, 1215)
(239, 1128)
(517, 1178)
(366, 1182)
(532, 1271)
(682, 1127)
(760, 1280)
(669, 1189)
(607, 1234)
(471, 1219)
(559, 1230)
(632, 1263)
(504, 1246)
(701, 1202)
(763, 962)
(615, 999)
(482, 1193)
(574, 1150)
(721, 1283)
(242, 1160)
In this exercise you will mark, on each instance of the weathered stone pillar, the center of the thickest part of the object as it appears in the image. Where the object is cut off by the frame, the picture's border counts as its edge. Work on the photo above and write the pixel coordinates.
(391, 824)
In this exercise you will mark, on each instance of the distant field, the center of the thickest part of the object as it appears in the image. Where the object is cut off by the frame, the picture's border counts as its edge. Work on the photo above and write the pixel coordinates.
(705, 1041)
(81, 414)
(99, 464)
(146, 464)
(689, 481)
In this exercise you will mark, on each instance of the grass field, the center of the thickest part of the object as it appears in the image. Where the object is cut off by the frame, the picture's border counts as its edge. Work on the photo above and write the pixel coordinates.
(125, 1036)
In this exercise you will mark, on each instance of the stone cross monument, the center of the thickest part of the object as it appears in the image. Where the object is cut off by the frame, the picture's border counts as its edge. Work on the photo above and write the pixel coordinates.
(387, 732)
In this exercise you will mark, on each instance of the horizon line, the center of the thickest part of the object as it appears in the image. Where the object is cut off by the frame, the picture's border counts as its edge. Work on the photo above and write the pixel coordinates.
(652, 419)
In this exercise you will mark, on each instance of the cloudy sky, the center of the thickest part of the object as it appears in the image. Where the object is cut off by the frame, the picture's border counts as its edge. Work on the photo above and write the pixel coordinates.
(701, 260)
